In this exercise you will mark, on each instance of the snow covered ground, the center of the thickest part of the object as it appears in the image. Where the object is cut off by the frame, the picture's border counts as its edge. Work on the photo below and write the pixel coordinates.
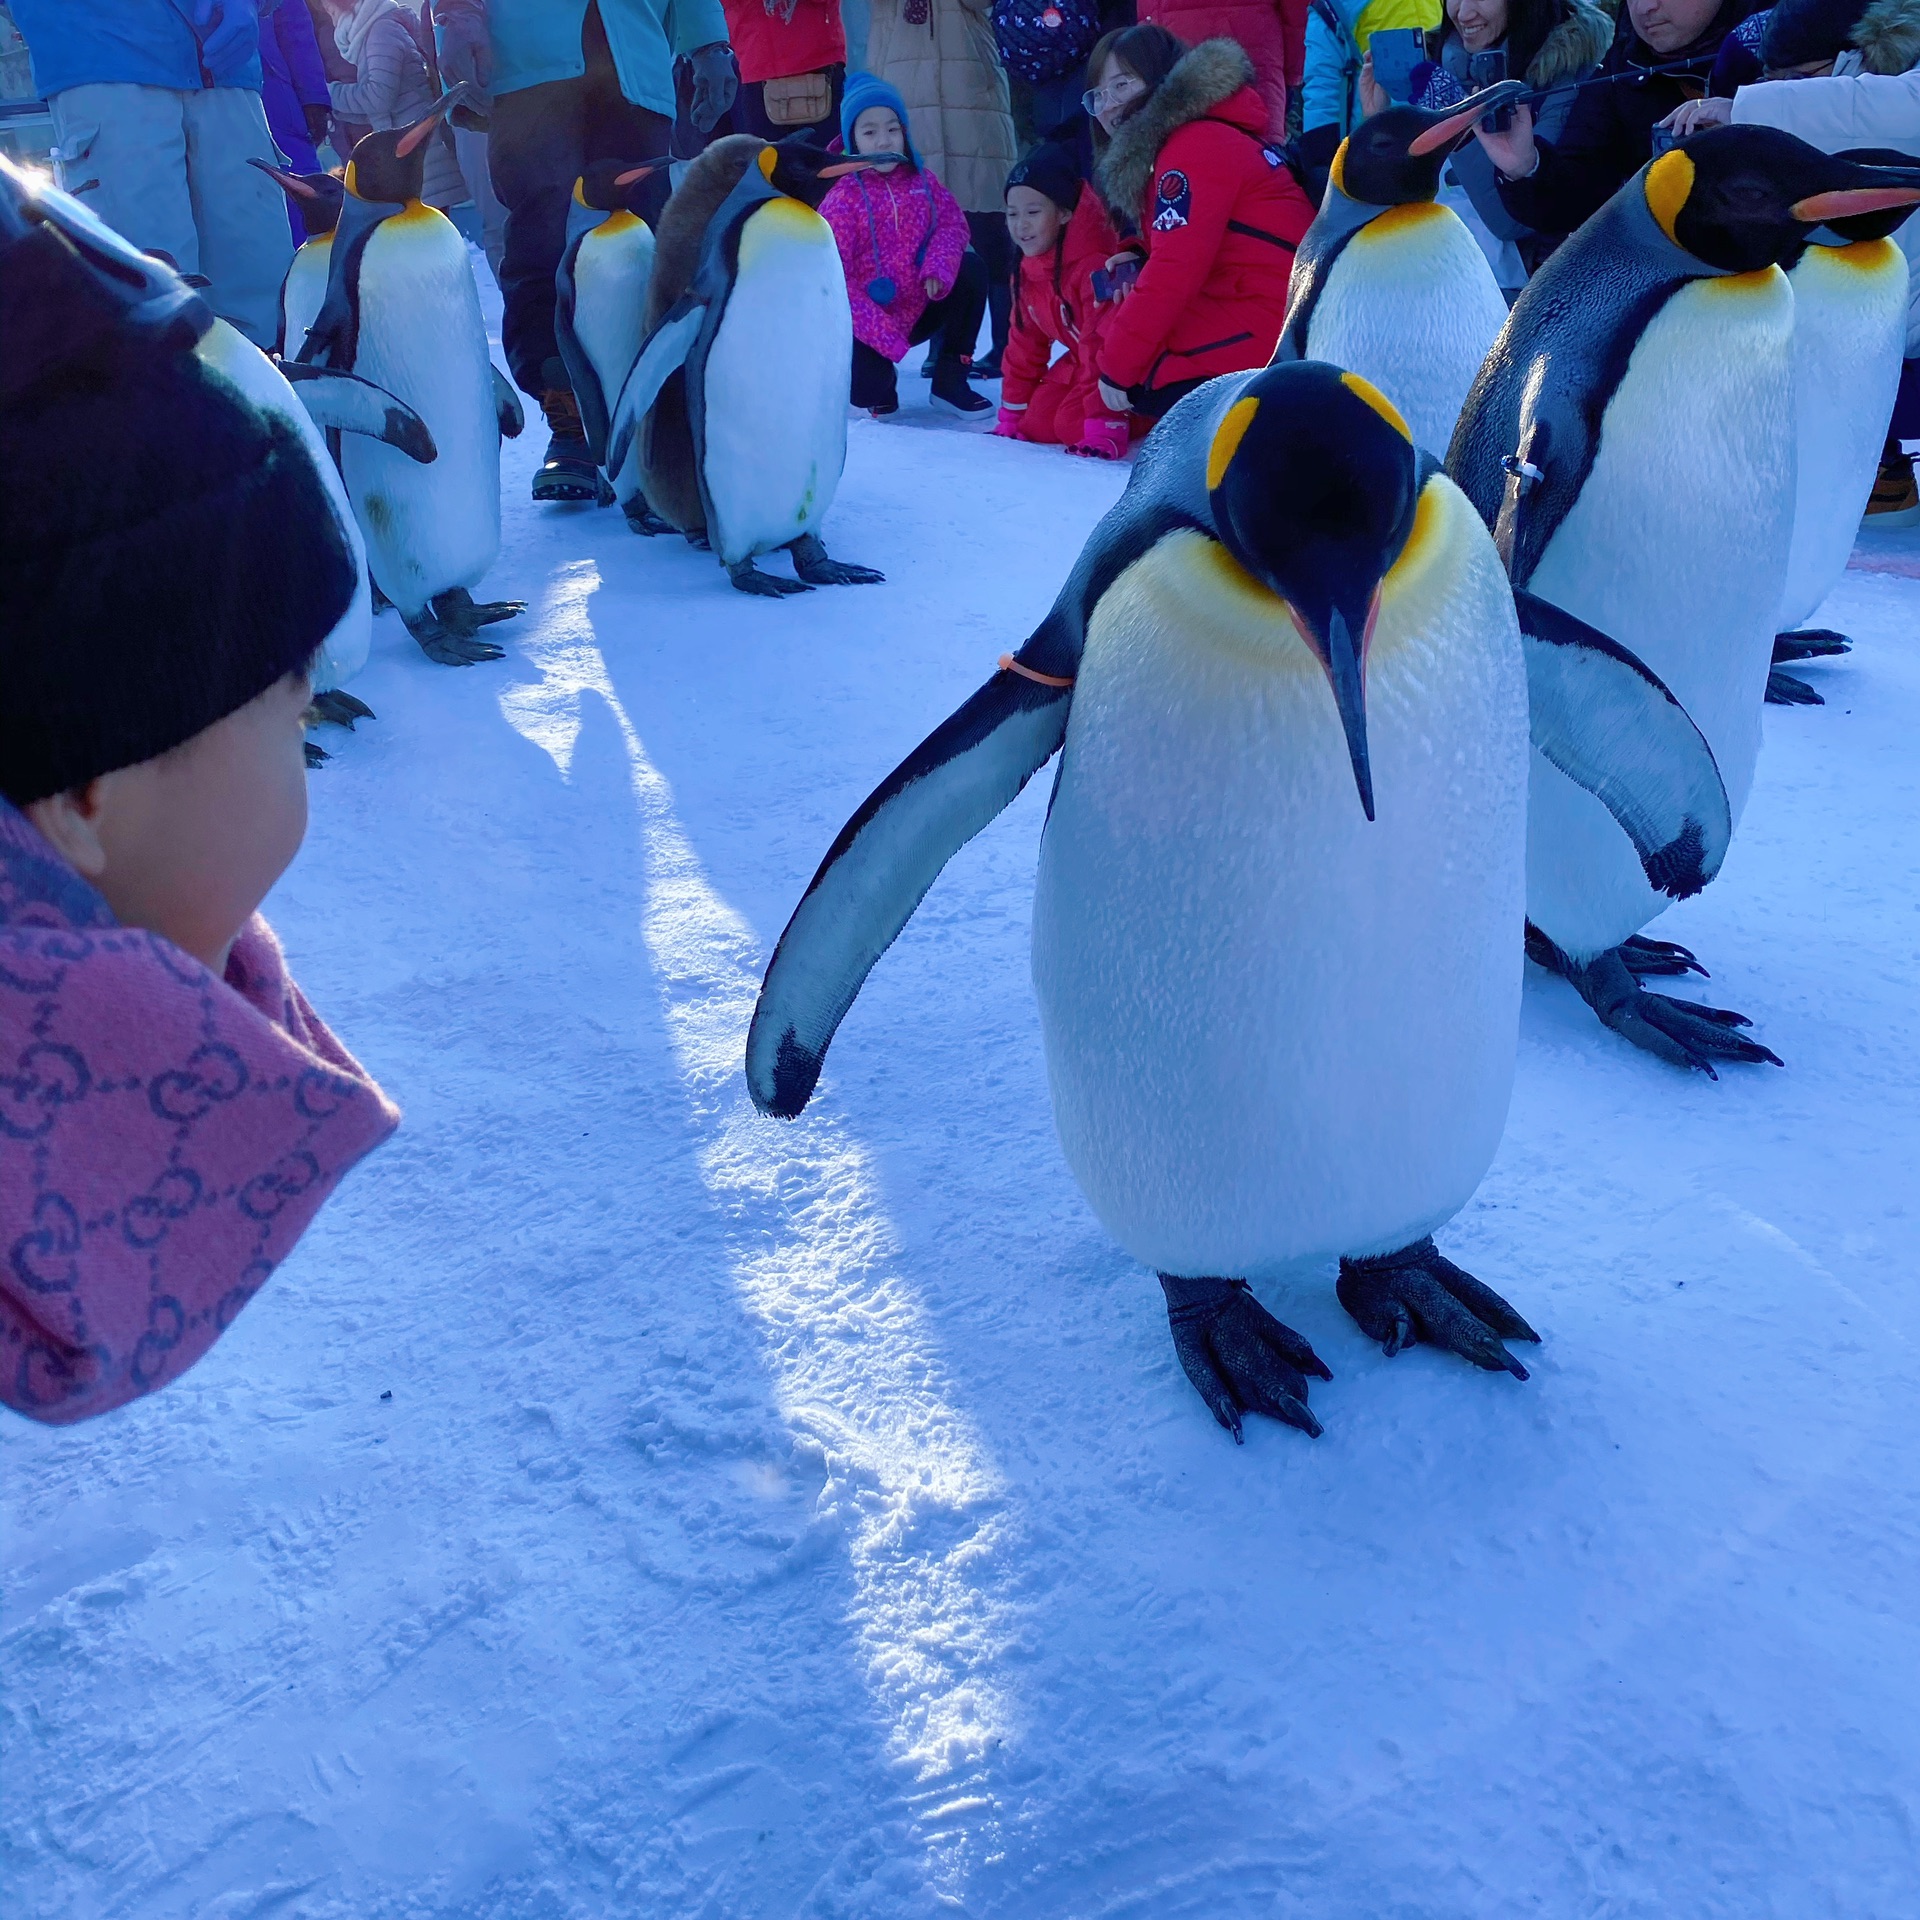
(812, 1520)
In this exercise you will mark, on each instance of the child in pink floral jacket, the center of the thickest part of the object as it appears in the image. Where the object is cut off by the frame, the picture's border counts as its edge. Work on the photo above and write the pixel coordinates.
(903, 243)
(172, 1111)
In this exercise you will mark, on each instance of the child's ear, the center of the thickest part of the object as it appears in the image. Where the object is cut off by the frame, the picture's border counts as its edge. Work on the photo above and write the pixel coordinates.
(70, 823)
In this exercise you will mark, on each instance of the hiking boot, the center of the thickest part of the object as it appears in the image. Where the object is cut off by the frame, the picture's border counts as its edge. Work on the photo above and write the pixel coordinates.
(950, 387)
(568, 471)
(1895, 500)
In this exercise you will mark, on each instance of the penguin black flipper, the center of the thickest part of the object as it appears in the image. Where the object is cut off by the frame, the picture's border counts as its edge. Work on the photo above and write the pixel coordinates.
(1611, 726)
(506, 406)
(663, 355)
(345, 403)
(580, 369)
(334, 338)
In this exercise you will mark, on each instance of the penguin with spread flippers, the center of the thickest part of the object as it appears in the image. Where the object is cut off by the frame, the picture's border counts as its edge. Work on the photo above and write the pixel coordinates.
(1849, 330)
(1283, 870)
(318, 198)
(739, 397)
(600, 303)
(401, 310)
(1388, 283)
(1631, 443)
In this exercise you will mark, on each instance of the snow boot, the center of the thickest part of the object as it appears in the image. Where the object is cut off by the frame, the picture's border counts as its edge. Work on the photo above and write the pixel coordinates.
(568, 471)
(950, 387)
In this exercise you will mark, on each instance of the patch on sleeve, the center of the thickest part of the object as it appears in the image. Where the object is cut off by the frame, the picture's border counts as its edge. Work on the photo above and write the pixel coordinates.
(1174, 201)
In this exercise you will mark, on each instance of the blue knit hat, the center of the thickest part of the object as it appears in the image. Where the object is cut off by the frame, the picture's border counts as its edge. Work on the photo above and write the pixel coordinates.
(866, 90)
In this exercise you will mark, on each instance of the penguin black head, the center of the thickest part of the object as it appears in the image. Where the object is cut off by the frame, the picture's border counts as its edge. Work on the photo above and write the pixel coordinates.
(616, 186)
(1743, 198)
(391, 163)
(1314, 484)
(803, 171)
(318, 196)
(1396, 156)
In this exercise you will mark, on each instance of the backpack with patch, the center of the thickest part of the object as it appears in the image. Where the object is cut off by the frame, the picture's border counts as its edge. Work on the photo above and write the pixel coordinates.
(1040, 40)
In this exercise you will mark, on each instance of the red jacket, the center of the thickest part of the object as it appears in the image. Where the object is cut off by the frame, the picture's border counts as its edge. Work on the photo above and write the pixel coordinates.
(1053, 303)
(769, 47)
(1272, 34)
(1219, 216)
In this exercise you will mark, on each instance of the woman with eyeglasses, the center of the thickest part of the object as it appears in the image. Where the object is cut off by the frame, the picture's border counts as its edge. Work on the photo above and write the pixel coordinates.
(1185, 165)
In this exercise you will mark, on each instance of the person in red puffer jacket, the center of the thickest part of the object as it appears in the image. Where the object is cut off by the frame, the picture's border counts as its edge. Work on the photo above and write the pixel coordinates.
(1064, 238)
(1272, 34)
(1185, 163)
(793, 67)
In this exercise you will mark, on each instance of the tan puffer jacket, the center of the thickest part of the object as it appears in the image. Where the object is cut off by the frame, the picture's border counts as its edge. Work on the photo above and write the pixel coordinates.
(948, 72)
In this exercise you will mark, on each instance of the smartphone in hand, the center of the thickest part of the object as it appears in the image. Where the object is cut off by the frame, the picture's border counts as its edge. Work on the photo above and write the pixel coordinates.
(1396, 52)
(1488, 70)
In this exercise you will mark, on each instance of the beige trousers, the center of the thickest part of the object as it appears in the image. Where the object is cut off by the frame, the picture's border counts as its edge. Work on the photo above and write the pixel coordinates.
(168, 170)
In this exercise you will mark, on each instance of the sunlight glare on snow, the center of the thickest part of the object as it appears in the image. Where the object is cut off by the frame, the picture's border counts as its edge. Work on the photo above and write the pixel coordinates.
(908, 1481)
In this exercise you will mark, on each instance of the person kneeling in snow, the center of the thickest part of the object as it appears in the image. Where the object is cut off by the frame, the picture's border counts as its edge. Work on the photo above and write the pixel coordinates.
(172, 1112)
(903, 242)
(1065, 238)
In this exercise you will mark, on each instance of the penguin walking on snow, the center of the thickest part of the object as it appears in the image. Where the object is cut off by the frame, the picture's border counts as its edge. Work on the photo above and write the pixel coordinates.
(401, 310)
(1273, 926)
(600, 302)
(739, 397)
(1849, 331)
(1388, 283)
(1630, 441)
(318, 197)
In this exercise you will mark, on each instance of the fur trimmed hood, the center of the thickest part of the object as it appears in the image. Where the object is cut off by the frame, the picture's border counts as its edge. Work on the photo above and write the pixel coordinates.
(1205, 78)
(1888, 36)
(1580, 42)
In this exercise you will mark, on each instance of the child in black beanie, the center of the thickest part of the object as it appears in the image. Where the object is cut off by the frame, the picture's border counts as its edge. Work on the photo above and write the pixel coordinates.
(173, 1112)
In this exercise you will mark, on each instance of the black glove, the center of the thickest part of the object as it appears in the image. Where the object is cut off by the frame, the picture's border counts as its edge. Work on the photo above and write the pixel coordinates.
(1238, 1356)
(715, 81)
(318, 119)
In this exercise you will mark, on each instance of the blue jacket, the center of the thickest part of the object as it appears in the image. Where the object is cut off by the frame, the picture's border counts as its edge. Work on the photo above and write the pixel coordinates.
(539, 40)
(1337, 36)
(150, 43)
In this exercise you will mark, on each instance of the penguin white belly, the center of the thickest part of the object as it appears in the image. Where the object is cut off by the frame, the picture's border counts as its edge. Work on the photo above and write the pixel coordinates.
(302, 292)
(1849, 328)
(428, 528)
(344, 651)
(610, 275)
(1676, 548)
(1411, 304)
(776, 385)
(1274, 1029)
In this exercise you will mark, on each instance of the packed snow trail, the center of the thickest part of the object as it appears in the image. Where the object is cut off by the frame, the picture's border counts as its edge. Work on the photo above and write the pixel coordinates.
(812, 1520)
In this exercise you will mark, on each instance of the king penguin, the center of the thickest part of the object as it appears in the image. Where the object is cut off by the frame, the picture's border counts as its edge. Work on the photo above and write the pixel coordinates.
(1631, 442)
(401, 310)
(1388, 283)
(739, 397)
(1282, 874)
(600, 303)
(318, 197)
(1849, 331)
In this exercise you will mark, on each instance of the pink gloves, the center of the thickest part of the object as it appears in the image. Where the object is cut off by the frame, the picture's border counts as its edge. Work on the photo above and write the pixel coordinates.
(1101, 440)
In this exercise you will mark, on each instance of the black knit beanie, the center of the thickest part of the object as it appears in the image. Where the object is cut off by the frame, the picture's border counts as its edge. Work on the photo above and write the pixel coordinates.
(167, 550)
(1049, 168)
(1799, 31)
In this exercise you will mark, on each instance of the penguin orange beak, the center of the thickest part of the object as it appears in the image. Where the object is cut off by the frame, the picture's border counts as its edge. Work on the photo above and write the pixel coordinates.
(839, 167)
(1466, 117)
(289, 183)
(1817, 208)
(453, 97)
(638, 173)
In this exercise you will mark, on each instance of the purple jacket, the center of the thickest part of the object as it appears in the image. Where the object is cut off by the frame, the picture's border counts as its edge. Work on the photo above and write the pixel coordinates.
(902, 226)
(165, 1137)
(292, 76)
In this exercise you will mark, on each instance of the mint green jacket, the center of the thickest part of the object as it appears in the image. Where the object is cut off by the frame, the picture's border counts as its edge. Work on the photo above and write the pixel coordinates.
(539, 40)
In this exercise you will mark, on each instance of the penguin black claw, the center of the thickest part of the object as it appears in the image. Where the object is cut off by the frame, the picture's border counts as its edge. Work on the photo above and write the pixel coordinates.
(1783, 690)
(458, 612)
(1646, 959)
(749, 579)
(1419, 1295)
(1809, 643)
(446, 646)
(340, 709)
(813, 564)
(1678, 1031)
(645, 522)
(1238, 1356)
(315, 754)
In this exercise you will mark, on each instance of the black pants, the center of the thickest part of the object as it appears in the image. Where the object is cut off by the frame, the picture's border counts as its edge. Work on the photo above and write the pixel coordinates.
(750, 112)
(994, 244)
(1155, 401)
(957, 316)
(540, 141)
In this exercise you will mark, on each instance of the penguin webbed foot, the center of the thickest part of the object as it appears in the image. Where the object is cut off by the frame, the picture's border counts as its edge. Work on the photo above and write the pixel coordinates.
(817, 568)
(644, 521)
(1419, 1295)
(1238, 1356)
(459, 612)
(1784, 690)
(749, 579)
(447, 645)
(1681, 1032)
(1645, 959)
(1808, 643)
(337, 708)
(316, 754)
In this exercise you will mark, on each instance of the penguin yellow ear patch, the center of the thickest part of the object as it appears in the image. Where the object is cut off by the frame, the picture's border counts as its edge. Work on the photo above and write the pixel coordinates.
(1337, 173)
(1669, 180)
(1227, 437)
(1378, 401)
(768, 161)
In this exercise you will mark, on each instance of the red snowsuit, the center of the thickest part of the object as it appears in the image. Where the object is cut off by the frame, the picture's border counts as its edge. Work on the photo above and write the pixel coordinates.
(1272, 34)
(1219, 216)
(1053, 302)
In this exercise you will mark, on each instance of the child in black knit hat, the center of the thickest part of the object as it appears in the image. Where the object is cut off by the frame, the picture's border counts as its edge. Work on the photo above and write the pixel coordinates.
(170, 562)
